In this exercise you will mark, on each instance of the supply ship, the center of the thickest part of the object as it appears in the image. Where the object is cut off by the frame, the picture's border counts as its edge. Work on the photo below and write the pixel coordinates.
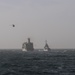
(27, 46)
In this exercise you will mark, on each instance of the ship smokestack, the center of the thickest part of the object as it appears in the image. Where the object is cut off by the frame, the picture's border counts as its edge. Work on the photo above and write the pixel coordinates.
(28, 40)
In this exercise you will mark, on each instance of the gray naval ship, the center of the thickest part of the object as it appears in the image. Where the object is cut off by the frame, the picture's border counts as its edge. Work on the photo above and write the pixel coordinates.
(46, 47)
(27, 46)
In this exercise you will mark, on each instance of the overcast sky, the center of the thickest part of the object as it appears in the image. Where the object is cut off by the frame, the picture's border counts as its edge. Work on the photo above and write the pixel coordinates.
(51, 20)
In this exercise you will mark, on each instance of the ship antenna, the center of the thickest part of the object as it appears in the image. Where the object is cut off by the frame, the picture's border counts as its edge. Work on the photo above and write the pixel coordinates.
(46, 41)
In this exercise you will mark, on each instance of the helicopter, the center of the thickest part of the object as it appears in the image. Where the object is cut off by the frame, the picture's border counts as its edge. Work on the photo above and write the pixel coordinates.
(13, 25)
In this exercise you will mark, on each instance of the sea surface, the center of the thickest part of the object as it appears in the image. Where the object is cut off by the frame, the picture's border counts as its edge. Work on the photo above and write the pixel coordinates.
(54, 62)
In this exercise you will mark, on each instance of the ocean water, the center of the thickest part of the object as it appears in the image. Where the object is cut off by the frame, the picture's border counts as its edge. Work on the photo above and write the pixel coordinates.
(54, 62)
